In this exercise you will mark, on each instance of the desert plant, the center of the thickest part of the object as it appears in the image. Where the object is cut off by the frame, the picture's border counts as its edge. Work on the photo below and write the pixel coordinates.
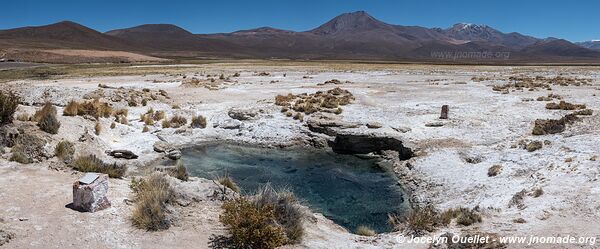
(65, 150)
(228, 182)
(91, 163)
(113, 125)
(175, 106)
(198, 122)
(23, 117)
(148, 119)
(180, 171)
(166, 123)
(47, 109)
(537, 192)
(8, 105)
(144, 102)
(584, 112)
(286, 208)
(423, 219)
(98, 129)
(19, 156)
(121, 112)
(158, 115)
(94, 108)
(494, 170)
(151, 197)
(145, 129)
(250, 226)
(71, 109)
(47, 119)
(365, 231)
(177, 121)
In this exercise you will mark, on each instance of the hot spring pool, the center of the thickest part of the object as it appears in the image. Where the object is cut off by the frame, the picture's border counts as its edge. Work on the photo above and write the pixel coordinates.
(348, 190)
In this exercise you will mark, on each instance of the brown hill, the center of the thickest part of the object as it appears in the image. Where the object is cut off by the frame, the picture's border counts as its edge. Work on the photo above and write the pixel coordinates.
(61, 35)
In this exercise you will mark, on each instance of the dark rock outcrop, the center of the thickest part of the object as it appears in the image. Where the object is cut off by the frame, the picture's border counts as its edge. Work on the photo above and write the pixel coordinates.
(367, 143)
(127, 154)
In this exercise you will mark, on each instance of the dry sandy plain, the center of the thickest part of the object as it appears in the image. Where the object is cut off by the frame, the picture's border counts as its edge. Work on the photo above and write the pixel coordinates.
(450, 167)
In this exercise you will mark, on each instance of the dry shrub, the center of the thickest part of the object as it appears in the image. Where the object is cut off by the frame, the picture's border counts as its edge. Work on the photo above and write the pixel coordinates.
(113, 125)
(463, 216)
(180, 171)
(298, 116)
(71, 109)
(145, 129)
(317, 102)
(365, 231)
(422, 219)
(23, 117)
(166, 123)
(585, 112)
(562, 105)
(537, 192)
(177, 121)
(283, 100)
(91, 163)
(287, 210)
(533, 146)
(429, 219)
(65, 151)
(19, 156)
(98, 129)
(228, 182)
(553, 126)
(95, 108)
(152, 197)
(148, 119)
(198, 122)
(251, 226)
(8, 105)
(121, 112)
(494, 170)
(517, 199)
(46, 118)
(158, 115)
(175, 106)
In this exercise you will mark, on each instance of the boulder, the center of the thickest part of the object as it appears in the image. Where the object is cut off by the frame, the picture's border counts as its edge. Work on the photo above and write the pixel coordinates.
(230, 124)
(243, 113)
(162, 146)
(127, 154)
(329, 125)
(367, 143)
(374, 125)
(89, 193)
(174, 154)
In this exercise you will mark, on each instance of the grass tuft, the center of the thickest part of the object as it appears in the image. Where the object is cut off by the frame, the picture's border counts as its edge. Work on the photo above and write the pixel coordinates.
(91, 163)
(152, 195)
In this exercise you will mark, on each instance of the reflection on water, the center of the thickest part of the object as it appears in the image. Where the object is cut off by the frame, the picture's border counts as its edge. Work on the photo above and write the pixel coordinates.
(346, 189)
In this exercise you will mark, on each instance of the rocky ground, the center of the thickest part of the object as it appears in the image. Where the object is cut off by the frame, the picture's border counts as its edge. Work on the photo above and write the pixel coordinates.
(487, 126)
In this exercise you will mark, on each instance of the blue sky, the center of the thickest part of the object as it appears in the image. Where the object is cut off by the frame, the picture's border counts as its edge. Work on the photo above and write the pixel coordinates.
(572, 20)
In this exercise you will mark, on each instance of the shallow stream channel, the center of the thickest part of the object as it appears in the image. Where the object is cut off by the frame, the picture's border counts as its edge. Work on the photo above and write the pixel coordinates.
(347, 189)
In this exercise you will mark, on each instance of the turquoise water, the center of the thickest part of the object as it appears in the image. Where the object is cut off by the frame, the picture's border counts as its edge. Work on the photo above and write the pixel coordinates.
(348, 190)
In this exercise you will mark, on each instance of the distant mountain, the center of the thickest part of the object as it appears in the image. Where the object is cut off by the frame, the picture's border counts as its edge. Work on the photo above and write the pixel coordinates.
(594, 44)
(62, 35)
(355, 35)
(474, 32)
(165, 37)
(559, 48)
